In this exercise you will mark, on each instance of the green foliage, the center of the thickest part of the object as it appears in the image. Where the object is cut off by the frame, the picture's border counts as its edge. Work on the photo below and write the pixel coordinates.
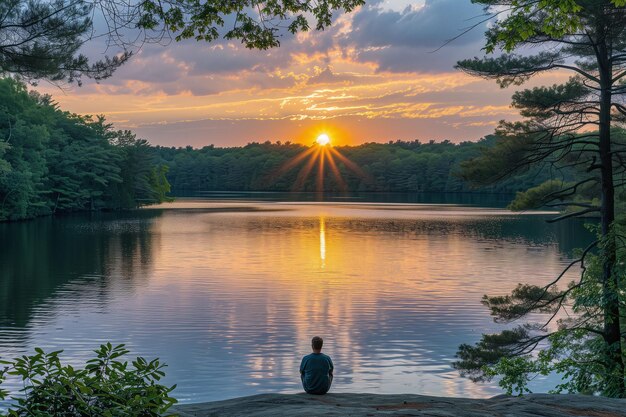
(516, 372)
(3, 393)
(567, 196)
(53, 161)
(576, 350)
(5, 167)
(543, 103)
(475, 360)
(257, 25)
(41, 40)
(503, 159)
(143, 179)
(106, 386)
(391, 167)
(159, 185)
(523, 298)
(508, 69)
(536, 196)
(526, 19)
(576, 130)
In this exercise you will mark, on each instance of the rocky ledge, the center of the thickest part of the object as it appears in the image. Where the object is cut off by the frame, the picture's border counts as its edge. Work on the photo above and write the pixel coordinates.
(533, 405)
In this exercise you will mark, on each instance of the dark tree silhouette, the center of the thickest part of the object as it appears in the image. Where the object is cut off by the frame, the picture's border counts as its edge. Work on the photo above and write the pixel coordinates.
(42, 39)
(568, 125)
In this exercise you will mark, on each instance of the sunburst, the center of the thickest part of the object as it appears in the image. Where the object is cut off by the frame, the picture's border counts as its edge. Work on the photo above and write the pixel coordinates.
(322, 154)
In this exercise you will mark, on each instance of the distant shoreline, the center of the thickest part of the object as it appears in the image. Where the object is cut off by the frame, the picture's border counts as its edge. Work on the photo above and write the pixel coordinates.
(361, 405)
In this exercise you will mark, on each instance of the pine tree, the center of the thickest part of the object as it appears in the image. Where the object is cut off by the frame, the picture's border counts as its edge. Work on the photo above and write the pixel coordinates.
(569, 125)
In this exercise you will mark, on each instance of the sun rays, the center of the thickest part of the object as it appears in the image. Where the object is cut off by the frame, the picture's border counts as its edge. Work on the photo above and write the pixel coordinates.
(322, 157)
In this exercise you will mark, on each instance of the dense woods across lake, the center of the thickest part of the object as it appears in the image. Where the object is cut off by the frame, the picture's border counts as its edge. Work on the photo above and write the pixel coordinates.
(386, 167)
(53, 161)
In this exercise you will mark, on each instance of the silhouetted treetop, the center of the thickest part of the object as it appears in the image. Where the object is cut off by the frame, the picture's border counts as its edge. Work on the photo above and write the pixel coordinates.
(41, 40)
(257, 24)
(45, 39)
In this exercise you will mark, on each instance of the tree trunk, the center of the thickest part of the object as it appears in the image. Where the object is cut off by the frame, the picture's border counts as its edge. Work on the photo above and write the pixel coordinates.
(610, 283)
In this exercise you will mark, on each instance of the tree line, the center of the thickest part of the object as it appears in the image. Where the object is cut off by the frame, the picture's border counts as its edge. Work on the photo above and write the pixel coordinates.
(398, 166)
(53, 161)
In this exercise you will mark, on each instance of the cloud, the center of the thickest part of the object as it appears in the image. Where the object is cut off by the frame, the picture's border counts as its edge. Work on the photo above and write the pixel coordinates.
(416, 39)
(429, 26)
(406, 59)
(381, 39)
(354, 130)
(327, 76)
(376, 65)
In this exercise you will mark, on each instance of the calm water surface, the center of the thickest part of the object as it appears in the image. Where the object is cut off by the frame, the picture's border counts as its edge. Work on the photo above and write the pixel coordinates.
(229, 293)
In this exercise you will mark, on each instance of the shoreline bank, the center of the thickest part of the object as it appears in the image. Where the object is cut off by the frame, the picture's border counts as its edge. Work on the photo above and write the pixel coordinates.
(532, 405)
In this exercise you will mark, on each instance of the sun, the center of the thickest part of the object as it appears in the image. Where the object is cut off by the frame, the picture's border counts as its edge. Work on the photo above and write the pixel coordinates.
(318, 157)
(323, 139)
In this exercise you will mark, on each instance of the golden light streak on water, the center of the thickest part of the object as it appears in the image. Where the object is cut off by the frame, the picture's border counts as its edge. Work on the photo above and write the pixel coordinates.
(323, 241)
(238, 285)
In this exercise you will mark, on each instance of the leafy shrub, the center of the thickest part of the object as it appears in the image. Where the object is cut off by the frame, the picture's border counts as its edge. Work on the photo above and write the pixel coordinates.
(105, 387)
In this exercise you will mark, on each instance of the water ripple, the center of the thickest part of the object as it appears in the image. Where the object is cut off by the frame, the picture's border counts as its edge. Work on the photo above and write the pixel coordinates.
(230, 299)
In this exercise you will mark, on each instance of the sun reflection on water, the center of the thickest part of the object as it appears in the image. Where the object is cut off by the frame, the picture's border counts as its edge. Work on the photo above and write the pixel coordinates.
(323, 241)
(229, 294)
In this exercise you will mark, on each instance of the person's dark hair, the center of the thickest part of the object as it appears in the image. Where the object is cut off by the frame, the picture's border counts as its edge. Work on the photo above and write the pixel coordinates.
(317, 343)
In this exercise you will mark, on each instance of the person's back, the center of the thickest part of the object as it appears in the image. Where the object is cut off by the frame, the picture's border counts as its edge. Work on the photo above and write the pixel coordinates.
(316, 370)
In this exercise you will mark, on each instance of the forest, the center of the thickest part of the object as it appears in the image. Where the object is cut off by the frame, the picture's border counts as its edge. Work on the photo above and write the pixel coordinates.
(53, 161)
(396, 166)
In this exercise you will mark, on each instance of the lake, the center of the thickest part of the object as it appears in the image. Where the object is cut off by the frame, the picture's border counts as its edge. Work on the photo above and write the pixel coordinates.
(229, 293)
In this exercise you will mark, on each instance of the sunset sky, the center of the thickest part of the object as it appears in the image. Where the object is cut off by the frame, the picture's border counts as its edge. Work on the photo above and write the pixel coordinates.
(373, 76)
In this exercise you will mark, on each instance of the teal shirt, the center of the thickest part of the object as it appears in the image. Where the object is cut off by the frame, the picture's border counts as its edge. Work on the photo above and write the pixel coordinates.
(316, 373)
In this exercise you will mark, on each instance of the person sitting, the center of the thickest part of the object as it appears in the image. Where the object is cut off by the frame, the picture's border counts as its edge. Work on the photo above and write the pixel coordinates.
(316, 369)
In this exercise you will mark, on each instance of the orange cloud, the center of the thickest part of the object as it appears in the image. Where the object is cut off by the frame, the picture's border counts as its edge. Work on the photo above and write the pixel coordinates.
(369, 86)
